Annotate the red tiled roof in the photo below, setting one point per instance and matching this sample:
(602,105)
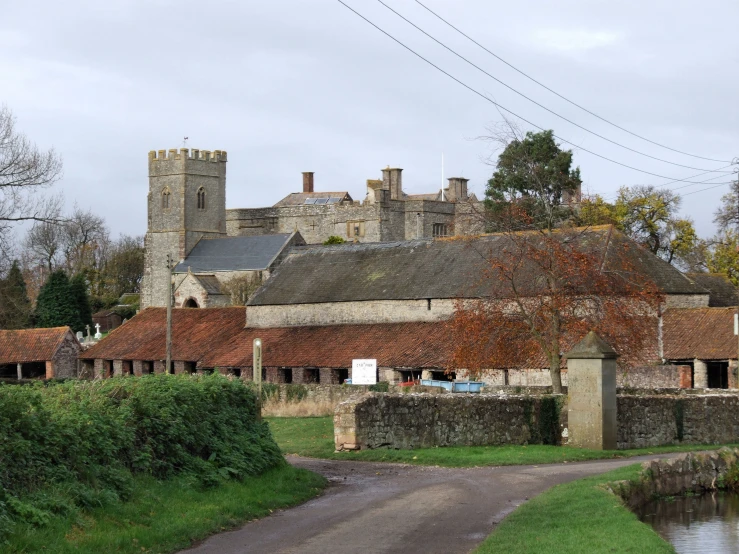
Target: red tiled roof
(194,332)
(216,337)
(702,333)
(30,345)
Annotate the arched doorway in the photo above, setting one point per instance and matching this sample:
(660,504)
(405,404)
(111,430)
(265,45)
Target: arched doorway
(190,303)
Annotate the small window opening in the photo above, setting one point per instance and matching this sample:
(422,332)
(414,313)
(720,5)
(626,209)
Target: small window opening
(428,305)
(165,199)
(201,198)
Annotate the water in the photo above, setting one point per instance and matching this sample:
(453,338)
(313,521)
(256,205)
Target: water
(705,524)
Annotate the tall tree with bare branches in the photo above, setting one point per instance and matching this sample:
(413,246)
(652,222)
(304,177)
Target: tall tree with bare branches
(24,172)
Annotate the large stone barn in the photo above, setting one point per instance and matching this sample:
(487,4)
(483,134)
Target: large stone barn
(38,353)
(326,305)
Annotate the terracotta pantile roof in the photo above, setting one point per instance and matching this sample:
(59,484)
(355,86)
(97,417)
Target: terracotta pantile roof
(216,337)
(30,345)
(194,332)
(723,293)
(416,345)
(703,333)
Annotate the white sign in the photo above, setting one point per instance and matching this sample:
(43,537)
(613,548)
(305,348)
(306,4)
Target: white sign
(364,372)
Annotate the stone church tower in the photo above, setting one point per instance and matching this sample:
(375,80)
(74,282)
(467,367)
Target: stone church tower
(186,202)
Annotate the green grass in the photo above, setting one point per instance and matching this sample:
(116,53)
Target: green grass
(165,516)
(314,437)
(577,517)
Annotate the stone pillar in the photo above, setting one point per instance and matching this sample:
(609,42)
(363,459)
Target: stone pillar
(247,373)
(591,367)
(732,374)
(179,367)
(328,376)
(274,375)
(19,369)
(158,366)
(700,374)
(138,368)
(99,369)
(117,368)
(427,374)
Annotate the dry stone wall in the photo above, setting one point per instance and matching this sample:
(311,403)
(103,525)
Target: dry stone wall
(645,421)
(423,420)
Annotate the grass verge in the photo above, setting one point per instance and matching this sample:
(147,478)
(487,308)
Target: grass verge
(577,517)
(314,438)
(165,516)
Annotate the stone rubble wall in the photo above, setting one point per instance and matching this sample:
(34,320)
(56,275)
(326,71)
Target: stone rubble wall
(694,472)
(645,421)
(416,420)
(422,420)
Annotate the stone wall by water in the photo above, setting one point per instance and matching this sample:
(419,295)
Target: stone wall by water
(694,472)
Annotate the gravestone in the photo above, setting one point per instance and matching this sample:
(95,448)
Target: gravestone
(98,334)
(591,391)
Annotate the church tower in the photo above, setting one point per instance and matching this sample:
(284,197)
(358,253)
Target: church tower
(186,202)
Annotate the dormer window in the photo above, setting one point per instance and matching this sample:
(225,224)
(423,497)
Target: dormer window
(165,199)
(201,198)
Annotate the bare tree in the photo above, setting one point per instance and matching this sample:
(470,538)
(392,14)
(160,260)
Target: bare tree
(24,171)
(86,241)
(44,241)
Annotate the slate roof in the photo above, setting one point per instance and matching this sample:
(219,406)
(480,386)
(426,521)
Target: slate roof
(234,254)
(441,268)
(30,345)
(298,198)
(723,293)
(703,333)
(216,337)
(209,283)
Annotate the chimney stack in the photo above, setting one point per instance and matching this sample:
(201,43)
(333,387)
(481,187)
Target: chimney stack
(307,181)
(457,190)
(392,180)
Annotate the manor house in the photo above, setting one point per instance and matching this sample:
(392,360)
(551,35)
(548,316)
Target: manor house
(188,220)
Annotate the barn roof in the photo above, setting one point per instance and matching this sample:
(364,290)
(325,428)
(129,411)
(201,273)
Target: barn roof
(722,291)
(31,345)
(702,333)
(445,268)
(234,254)
(216,337)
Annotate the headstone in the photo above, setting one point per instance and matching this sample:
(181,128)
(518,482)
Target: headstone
(591,391)
(98,334)
(79,336)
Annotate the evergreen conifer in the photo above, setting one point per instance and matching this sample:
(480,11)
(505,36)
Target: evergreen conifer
(56,305)
(15,307)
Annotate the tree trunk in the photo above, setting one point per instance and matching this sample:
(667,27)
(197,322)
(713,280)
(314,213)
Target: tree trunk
(554,371)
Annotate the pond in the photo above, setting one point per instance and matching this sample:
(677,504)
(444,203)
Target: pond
(692,524)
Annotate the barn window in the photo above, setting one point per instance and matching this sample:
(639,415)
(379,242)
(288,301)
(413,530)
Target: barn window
(201,198)
(165,199)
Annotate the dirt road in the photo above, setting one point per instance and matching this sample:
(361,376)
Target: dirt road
(393,508)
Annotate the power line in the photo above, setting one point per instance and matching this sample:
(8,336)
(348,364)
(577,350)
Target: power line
(499,106)
(561,96)
(539,104)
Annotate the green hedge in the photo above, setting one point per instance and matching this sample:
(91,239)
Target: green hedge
(78,443)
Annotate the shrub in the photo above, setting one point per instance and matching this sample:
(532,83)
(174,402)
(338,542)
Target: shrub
(91,436)
(333,239)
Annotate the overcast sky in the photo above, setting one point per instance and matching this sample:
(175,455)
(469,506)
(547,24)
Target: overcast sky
(287,86)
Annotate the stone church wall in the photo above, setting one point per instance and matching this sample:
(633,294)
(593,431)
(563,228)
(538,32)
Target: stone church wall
(64,362)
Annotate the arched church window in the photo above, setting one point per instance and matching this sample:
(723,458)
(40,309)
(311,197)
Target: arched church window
(201,198)
(165,199)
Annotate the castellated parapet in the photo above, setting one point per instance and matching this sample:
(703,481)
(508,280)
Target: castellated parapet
(186,202)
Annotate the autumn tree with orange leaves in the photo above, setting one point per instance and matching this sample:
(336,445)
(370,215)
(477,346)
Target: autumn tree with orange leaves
(549,283)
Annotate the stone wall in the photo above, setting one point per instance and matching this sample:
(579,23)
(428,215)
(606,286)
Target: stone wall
(64,363)
(645,421)
(332,313)
(686,301)
(423,420)
(691,473)
(656,376)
